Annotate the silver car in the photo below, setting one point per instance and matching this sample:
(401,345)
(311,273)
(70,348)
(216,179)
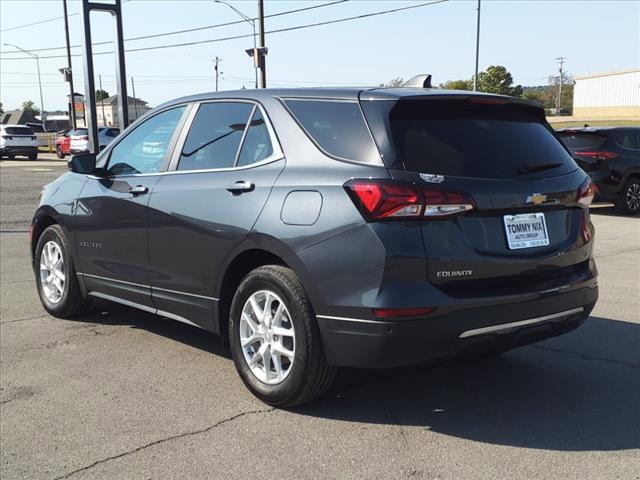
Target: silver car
(80,138)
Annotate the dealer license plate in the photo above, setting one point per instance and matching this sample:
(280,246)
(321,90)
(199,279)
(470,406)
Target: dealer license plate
(526,230)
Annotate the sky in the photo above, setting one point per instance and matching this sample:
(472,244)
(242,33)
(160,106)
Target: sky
(525,36)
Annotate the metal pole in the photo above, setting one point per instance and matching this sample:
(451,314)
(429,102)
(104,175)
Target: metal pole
(121,75)
(263,59)
(475,76)
(135,99)
(43,117)
(104,119)
(89,81)
(255,66)
(72,98)
(559,101)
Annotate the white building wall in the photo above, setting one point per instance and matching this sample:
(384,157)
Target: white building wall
(608,90)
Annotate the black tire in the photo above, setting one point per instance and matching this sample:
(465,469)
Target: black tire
(310,375)
(33,156)
(72,303)
(629,202)
(59,152)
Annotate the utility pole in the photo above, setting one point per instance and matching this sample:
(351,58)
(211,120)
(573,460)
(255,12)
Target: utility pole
(104,120)
(261,49)
(561,61)
(216,68)
(72,98)
(475,77)
(135,99)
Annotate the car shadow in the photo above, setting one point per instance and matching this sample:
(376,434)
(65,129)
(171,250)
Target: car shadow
(577,392)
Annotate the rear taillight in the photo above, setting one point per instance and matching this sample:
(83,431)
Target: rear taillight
(586,193)
(599,155)
(390,200)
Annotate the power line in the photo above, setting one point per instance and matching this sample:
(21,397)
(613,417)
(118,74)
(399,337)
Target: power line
(44,21)
(235,37)
(188,30)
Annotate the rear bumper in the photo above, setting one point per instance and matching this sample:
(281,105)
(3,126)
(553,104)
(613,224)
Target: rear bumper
(370,343)
(18,150)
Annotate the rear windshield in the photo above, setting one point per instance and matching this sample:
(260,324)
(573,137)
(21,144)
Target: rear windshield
(80,132)
(18,131)
(458,138)
(581,141)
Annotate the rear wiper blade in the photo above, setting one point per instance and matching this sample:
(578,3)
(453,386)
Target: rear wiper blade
(526,168)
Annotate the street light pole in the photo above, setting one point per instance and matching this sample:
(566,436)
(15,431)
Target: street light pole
(475,77)
(263,50)
(249,20)
(33,55)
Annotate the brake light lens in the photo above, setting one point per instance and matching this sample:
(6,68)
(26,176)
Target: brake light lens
(586,193)
(388,200)
(585,229)
(402,312)
(600,155)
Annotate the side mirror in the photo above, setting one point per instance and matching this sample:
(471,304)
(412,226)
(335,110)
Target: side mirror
(84,163)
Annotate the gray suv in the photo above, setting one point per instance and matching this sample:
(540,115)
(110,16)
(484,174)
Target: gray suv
(319,228)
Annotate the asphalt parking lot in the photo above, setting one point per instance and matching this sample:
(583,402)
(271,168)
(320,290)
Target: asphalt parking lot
(121,394)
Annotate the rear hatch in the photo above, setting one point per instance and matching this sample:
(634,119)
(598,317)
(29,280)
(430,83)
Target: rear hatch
(510,219)
(19,137)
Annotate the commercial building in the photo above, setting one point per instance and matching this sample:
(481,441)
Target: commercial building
(607,95)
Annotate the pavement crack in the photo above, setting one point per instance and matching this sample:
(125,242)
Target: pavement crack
(167,439)
(24,319)
(587,357)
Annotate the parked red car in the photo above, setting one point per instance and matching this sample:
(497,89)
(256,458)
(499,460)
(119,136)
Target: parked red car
(63,143)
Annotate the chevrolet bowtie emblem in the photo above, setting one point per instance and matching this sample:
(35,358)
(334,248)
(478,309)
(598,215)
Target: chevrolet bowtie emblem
(536,198)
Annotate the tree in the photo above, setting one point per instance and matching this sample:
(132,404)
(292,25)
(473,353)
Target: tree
(496,79)
(396,82)
(30,108)
(101,95)
(457,85)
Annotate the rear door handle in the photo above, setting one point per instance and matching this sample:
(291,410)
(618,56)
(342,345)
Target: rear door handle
(138,190)
(240,187)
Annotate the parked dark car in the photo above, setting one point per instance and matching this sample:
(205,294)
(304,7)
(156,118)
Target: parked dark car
(611,157)
(319,228)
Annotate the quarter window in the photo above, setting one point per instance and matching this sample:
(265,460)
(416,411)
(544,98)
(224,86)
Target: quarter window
(337,127)
(215,136)
(257,143)
(143,150)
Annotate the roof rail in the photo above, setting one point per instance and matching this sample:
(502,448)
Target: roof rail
(419,81)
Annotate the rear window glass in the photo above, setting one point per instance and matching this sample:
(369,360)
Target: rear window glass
(18,131)
(336,127)
(215,136)
(458,138)
(578,141)
(80,132)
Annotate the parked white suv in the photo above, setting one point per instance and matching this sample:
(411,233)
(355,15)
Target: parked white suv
(18,140)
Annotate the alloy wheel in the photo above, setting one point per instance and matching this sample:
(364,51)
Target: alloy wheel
(633,197)
(52,276)
(267,337)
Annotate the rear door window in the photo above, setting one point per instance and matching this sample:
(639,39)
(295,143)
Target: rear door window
(464,139)
(337,127)
(215,136)
(257,142)
(626,139)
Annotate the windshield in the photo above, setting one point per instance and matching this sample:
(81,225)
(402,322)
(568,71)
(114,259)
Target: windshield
(458,138)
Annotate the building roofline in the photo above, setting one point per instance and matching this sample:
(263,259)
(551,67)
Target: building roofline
(606,74)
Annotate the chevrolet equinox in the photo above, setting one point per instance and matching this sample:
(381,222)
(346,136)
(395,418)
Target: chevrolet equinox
(319,228)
